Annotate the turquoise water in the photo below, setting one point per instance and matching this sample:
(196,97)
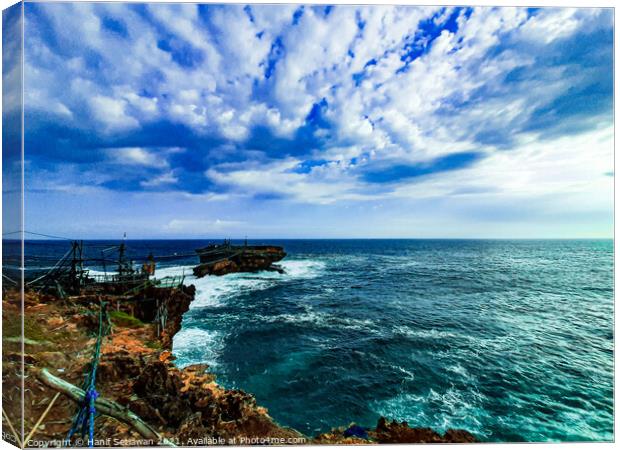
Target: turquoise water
(511,340)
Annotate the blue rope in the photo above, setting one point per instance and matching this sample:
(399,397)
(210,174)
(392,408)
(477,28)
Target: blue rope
(84,420)
(92,396)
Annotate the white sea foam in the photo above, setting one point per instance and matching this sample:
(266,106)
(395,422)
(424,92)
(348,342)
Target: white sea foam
(320,320)
(432,333)
(302,268)
(452,408)
(195,345)
(174,271)
(192,345)
(100,272)
(460,370)
(215,291)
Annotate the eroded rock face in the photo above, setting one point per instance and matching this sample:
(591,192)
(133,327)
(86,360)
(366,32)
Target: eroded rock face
(160,385)
(175,301)
(393,432)
(177,306)
(190,401)
(242,259)
(401,433)
(118,366)
(193,429)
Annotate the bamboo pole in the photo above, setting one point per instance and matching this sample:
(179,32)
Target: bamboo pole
(104,406)
(36,425)
(6,417)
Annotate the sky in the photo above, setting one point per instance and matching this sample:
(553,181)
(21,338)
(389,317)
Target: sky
(267,121)
(11,121)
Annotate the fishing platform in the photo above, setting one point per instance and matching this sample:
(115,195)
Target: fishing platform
(125,276)
(222,259)
(120,275)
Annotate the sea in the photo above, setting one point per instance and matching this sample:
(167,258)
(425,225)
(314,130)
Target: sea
(511,340)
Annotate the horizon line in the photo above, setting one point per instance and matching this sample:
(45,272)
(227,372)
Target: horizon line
(57,238)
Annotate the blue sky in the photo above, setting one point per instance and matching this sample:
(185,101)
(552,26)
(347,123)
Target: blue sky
(11,119)
(291,121)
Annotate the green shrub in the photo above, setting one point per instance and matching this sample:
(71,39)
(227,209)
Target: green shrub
(122,319)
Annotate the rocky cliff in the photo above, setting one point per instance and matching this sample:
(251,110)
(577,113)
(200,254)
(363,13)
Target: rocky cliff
(137,370)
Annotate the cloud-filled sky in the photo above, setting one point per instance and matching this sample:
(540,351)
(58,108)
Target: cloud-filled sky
(182,120)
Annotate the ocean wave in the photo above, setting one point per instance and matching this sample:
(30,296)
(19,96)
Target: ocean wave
(441,410)
(100,272)
(175,271)
(459,370)
(305,268)
(432,333)
(214,290)
(319,320)
(195,345)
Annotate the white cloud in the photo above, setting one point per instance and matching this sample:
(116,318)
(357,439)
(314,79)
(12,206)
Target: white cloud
(570,167)
(137,156)
(217,96)
(323,185)
(166,178)
(551,24)
(111,113)
(380,108)
(202,227)
(12,58)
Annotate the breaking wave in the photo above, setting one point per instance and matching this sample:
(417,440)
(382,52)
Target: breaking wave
(215,291)
(421,331)
(195,344)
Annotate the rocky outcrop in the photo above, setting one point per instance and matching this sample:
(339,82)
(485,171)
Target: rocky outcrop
(400,433)
(158,388)
(137,370)
(170,304)
(222,260)
(228,266)
(393,432)
(190,401)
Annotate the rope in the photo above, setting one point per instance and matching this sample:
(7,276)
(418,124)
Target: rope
(84,419)
(161,317)
(138,288)
(10,279)
(48,235)
(58,264)
(174,256)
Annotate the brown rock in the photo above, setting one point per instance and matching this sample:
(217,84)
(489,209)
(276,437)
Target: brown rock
(160,385)
(459,436)
(165,356)
(144,410)
(401,433)
(156,379)
(193,428)
(119,366)
(233,404)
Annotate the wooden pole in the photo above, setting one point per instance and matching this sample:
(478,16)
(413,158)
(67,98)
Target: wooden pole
(12,429)
(36,425)
(104,406)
